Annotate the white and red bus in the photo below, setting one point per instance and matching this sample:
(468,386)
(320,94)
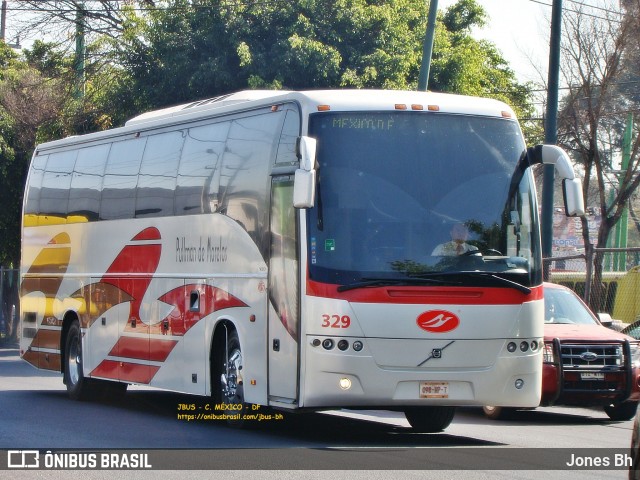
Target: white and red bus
(293,250)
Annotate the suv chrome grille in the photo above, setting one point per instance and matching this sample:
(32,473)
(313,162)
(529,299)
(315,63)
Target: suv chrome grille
(599,356)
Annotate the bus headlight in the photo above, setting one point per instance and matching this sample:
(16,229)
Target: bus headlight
(345,383)
(327,344)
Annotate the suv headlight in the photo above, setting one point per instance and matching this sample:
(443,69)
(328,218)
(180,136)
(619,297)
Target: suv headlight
(635,354)
(548,354)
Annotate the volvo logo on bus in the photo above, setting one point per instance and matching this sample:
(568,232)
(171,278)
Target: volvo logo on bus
(438,321)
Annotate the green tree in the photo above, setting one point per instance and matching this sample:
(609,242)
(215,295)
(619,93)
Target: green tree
(183,50)
(36,105)
(11,178)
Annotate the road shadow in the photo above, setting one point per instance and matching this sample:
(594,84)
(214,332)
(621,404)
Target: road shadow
(306,428)
(546,417)
(9,351)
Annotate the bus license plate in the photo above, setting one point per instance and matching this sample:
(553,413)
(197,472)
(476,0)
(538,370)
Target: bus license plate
(592,376)
(434,390)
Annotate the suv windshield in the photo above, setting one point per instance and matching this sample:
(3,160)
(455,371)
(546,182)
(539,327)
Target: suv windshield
(563,306)
(408,196)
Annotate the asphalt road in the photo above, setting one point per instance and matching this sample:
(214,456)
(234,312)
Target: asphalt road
(37,415)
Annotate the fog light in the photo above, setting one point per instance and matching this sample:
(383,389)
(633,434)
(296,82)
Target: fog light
(345,383)
(343,345)
(316,342)
(524,346)
(519,384)
(327,343)
(357,345)
(534,345)
(511,347)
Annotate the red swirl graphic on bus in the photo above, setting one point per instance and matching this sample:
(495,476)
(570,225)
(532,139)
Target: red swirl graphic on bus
(438,321)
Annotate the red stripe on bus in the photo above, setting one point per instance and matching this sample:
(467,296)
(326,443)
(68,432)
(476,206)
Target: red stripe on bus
(125,371)
(143,348)
(210,299)
(151,233)
(426,295)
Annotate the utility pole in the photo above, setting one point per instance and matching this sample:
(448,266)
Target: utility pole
(3,21)
(621,231)
(551,132)
(427,46)
(3,27)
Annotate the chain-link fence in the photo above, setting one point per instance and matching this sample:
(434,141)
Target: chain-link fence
(617,293)
(9,306)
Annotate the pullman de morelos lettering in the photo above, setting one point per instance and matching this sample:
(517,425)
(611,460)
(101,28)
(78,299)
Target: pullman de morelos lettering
(209,251)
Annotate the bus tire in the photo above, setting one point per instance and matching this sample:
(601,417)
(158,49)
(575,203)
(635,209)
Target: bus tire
(229,380)
(78,387)
(430,419)
(621,411)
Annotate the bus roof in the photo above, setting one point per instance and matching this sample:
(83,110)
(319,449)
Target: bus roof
(331,100)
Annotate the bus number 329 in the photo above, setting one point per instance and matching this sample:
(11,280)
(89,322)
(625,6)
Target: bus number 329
(335,321)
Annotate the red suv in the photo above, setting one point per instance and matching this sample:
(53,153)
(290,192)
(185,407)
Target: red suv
(585,363)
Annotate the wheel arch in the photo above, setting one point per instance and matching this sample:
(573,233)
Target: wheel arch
(221,330)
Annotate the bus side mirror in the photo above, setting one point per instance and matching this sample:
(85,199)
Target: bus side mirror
(304,183)
(573,200)
(571,187)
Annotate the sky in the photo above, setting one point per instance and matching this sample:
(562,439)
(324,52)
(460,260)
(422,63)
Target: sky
(521,31)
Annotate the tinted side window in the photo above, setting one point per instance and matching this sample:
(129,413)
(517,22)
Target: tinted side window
(121,178)
(199,171)
(244,178)
(287,147)
(54,196)
(32,194)
(157,180)
(86,183)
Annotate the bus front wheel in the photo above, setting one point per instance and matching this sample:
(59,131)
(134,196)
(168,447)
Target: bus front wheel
(230,380)
(430,419)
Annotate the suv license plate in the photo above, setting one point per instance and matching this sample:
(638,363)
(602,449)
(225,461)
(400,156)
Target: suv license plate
(434,390)
(592,376)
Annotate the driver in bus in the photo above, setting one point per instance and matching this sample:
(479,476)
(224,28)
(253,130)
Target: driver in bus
(457,245)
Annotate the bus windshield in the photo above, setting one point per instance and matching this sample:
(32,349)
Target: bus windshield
(421,198)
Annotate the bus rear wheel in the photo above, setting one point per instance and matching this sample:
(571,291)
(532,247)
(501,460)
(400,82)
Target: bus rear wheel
(78,387)
(430,419)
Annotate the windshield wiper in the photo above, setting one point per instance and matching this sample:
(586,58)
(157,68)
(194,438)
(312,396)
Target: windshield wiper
(503,281)
(383,282)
